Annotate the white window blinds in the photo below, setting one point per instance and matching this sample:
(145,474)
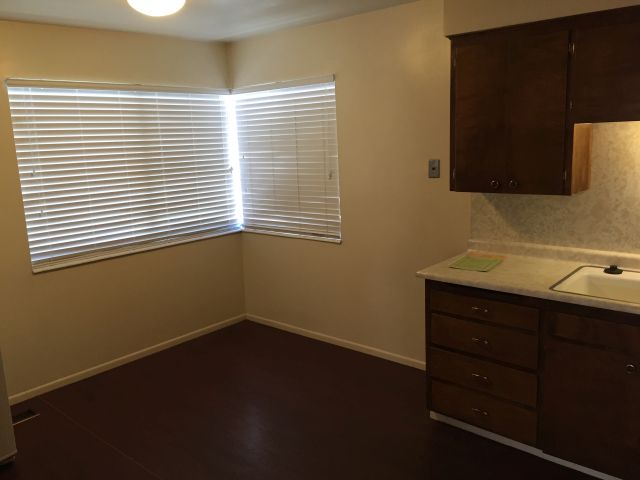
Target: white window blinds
(106,172)
(289,160)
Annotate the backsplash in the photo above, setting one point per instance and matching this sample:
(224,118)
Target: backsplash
(605,217)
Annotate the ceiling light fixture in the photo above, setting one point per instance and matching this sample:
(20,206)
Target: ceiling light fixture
(156,8)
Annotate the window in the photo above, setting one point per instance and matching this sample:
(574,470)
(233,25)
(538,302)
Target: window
(107,172)
(289,160)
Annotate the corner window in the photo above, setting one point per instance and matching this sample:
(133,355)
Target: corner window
(108,172)
(288,153)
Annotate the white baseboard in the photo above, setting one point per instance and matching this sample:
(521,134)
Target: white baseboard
(116,362)
(376,352)
(520,446)
(89,372)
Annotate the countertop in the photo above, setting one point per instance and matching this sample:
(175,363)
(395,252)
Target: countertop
(523,275)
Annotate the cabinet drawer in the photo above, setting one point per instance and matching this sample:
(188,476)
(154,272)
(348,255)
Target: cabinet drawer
(598,333)
(485,412)
(498,343)
(504,382)
(508,314)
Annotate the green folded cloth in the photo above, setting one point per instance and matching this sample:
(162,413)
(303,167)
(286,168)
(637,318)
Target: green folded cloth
(477,262)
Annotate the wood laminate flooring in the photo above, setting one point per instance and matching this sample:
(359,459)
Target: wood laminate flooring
(252,402)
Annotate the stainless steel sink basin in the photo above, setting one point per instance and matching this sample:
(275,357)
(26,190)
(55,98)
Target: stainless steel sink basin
(594,282)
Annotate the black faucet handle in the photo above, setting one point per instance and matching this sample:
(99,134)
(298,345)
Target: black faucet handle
(613,270)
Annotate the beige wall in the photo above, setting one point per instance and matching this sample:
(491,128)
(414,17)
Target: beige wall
(58,323)
(605,217)
(392,69)
(462,16)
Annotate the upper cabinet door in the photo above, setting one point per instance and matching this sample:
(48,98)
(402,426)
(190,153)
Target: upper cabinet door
(479,91)
(606,73)
(590,412)
(536,118)
(509,130)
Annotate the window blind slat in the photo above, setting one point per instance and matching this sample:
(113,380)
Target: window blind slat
(62,202)
(102,170)
(110,179)
(119,240)
(66,223)
(89,209)
(289,160)
(133,160)
(133,224)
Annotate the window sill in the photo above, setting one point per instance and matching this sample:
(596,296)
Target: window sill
(72,261)
(303,236)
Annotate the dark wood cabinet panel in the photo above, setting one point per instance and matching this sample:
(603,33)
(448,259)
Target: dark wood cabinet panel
(523,99)
(479,308)
(488,377)
(479,91)
(590,412)
(510,131)
(621,338)
(536,118)
(578,398)
(485,412)
(478,344)
(606,73)
(501,344)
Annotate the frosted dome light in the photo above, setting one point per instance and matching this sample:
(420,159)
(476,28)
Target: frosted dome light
(156,8)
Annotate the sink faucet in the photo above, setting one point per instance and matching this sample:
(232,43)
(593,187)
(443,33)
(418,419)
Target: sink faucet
(613,270)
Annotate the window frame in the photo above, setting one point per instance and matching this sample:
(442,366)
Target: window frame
(304,82)
(232,160)
(103,253)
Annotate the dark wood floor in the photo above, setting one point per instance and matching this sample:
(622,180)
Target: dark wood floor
(250,402)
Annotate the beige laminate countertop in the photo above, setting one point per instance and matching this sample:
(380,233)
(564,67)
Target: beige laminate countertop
(523,275)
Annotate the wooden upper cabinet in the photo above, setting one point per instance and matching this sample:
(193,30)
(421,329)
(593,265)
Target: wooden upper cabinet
(606,72)
(523,99)
(536,114)
(479,123)
(510,125)
(509,112)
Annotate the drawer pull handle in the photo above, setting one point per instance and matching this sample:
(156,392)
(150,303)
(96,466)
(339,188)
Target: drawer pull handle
(481,378)
(482,342)
(484,311)
(631,369)
(478,411)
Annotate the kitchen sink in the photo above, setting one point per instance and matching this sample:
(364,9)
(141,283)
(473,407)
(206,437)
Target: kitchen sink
(590,281)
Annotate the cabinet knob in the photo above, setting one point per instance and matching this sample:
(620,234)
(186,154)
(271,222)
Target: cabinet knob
(481,378)
(631,369)
(484,311)
(483,342)
(495,184)
(480,412)
(513,184)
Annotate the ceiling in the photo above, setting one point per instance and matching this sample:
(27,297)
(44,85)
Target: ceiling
(199,19)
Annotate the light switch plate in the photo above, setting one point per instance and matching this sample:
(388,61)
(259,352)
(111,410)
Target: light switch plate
(434,168)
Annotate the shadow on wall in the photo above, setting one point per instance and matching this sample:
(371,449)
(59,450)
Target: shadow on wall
(605,217)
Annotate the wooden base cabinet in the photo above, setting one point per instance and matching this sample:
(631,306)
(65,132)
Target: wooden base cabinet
(591,407)
(559,377)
